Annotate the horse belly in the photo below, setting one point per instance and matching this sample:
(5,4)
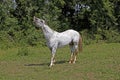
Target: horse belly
(63,42)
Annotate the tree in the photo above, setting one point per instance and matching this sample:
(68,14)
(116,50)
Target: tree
(117,11)
(95,19)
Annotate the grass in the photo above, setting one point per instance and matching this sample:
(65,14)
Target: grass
(96,62)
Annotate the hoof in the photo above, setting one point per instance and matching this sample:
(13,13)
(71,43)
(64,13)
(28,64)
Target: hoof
(51,65)
(71,61)
(74,62)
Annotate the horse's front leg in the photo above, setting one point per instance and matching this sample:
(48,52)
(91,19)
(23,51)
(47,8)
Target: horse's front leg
(52,60)
(53,51)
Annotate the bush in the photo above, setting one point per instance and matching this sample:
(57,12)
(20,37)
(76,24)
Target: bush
(87,37)
(5,40)
(34,37)
(111,36)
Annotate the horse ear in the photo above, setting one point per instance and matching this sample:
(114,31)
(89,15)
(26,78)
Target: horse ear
(34,18)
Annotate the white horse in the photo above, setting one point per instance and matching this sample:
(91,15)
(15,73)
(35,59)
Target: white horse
(56,39)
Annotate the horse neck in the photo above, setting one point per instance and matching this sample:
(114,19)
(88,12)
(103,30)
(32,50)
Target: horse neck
(48,32)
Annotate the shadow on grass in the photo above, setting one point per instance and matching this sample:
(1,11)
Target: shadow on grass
(43,64)
(35,64)
(60,62)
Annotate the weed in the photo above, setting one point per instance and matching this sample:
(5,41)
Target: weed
(23,51)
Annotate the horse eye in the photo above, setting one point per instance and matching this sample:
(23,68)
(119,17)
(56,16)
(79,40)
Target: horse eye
(41,21)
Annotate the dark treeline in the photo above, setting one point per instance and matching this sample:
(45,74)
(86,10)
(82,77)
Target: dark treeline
(96,20)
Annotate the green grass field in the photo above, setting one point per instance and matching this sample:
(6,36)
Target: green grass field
(96,62)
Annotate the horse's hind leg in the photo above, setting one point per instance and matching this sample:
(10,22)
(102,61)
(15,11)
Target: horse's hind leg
(75,52)
(72,57)
(75,55)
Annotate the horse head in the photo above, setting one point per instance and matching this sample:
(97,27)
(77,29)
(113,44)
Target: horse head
(38,22)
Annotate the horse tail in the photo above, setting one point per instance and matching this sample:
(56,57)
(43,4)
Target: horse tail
(80,44)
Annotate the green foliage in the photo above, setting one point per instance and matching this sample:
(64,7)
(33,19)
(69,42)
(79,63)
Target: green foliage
(96,19)
(87,37)
(111,36)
